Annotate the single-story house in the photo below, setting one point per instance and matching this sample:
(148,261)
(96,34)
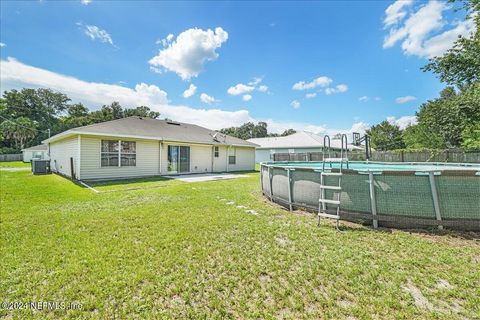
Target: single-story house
(39,152)
(299,142)
(138,146)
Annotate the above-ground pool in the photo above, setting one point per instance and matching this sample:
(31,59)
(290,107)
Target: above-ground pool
(386,194)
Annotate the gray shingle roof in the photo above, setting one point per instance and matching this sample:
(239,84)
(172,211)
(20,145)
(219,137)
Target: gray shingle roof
(157,129)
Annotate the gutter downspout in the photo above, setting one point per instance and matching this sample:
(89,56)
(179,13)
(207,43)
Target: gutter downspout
(228,152)
(160,145)
(79,160)
(213,156)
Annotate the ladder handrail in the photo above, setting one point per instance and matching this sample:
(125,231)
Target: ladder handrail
(344,138)
(323,150)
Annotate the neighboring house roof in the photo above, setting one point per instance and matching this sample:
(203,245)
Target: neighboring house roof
(301,139)
(40,147)
(148,128)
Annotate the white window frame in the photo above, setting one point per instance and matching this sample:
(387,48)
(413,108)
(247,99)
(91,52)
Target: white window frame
(119,153)
(232,153)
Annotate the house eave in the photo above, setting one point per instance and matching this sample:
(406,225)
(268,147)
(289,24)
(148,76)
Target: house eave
(69,133)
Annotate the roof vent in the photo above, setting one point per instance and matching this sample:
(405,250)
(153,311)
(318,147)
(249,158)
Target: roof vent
(217,136)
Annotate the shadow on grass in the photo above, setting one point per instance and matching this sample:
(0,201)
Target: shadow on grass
(124,182)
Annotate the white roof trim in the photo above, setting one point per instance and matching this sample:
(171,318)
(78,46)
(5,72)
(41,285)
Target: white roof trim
(73,132)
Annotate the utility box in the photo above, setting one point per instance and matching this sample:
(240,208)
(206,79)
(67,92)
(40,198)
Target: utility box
(40,166)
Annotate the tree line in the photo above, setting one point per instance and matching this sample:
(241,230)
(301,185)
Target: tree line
(29,116)
(251,130)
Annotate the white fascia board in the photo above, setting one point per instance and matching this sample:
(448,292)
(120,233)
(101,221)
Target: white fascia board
(102,134)
(59,136)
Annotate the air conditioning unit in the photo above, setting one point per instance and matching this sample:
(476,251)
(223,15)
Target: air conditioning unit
(40,166)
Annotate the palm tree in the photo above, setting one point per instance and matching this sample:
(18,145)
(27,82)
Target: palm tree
(21,130)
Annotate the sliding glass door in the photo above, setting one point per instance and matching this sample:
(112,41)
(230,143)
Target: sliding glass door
(184,160)
(178,159)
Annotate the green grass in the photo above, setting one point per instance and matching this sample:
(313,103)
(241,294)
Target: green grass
(174,250)
(15,164)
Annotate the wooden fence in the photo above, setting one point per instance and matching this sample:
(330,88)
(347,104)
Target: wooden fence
(451,155)
(11,157)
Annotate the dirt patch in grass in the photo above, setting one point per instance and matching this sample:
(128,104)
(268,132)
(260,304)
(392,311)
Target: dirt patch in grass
(418,297)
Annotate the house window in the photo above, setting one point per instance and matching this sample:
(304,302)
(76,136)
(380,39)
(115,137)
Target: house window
(232,159)
(128,154)
(216,152)
(115,150)
(291,150)
(110,153)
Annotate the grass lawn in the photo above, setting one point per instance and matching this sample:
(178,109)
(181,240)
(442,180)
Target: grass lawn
(183,250)
(15,164)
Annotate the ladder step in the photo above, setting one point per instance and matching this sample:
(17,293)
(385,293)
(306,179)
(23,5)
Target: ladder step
(337,202)
(336,174)
(331,188)
(327,215)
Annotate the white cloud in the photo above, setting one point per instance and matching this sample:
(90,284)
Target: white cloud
(311,95)
(437,45)
(359,127)
(364,98)
(247,97)
(295,104)
(322,81)
(262,88)
(206,98)
(377,98)
(279,127)
(416,32)
(190,91)
(17,75)
(403,122)
(255,81)
(95,33)
(240,89)
(243,89)
(338,89)
(86,2)
(2,45)
(395,12)
(405,99)
(187,54)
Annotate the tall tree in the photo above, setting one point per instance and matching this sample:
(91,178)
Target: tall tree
(141,111)
(247,130)
(386,136)
(41,106)
(421,137)
(20,131)
(288,132)
(448,115)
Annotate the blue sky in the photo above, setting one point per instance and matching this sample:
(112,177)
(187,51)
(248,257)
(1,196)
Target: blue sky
(319,66)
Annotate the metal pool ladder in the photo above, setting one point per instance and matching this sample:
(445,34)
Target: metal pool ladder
(323,201)
(336,189)
(343,153)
